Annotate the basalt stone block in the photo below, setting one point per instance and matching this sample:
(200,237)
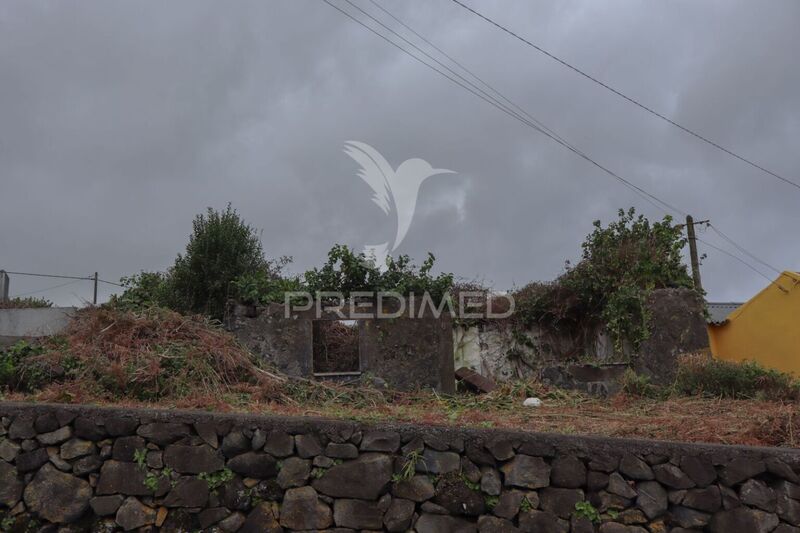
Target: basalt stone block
(536,521)
(163,433)
(672,476)
(118,477)
(568,472)
(688,518)
(779,468)
(86,465)
(492,524)
(560,502)
(193,459)
(341,450)
(596,481)
(399,515)
(235,443)
(635,468)
(132,514)
(699,469)
(490,481)
(477,454)
(417,488)
(756,493)
(380,441)
(209,517)
(436,462)
(357,514)
(74,448)
(454,495)
(262,519)
(259,439)
(527,472)
(8,450)
(208,432)
(604,463)
(46,423)
(255,465)
(508,504)
(234,495)
(742,519)
(364,478)
(308,445)
(55,437)
(501,449)
(294,472)
(106,505)
(434,523)
(10,485)
(86,428)
(188,492)
(740,470)
(279,444)
(120,426)
(32,460)
(652,499)
(21,428)
(57,497)
(302,509)
(707,499)
(125,448)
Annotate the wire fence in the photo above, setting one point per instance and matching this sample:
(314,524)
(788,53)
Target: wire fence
(5,283)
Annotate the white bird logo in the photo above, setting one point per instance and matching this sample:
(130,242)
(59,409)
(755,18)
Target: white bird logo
(394,190)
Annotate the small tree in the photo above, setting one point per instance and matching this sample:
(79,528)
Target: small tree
(222,248)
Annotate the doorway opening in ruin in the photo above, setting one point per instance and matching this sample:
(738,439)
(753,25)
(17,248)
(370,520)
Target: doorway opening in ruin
(336,347)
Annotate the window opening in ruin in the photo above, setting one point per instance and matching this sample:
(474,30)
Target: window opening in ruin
(336,347)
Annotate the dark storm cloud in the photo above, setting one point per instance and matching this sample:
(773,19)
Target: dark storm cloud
(120,121)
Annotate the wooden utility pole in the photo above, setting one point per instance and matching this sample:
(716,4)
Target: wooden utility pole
(4,282)
(94,300)
(693,253)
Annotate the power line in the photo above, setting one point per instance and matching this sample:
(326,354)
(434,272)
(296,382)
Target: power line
(628,98)
(58,276)
(478,92)
(748,265)
(741,249)
(48,288)
(46,275)
(529,121)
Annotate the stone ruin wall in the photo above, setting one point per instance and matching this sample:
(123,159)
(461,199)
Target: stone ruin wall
(677,326)
(79,468)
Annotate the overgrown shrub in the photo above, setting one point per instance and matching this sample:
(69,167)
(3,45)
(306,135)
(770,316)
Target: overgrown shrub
(111,354)
(221,249)
(620,265)
(346,272)
(25,303)
(726,379)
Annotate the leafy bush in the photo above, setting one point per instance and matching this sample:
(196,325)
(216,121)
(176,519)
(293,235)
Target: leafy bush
(637,385)
(10,362)
(347,272)
(221,249)
(745,380)
(619,266)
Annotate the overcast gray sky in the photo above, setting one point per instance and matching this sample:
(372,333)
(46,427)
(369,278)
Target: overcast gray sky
(119,121)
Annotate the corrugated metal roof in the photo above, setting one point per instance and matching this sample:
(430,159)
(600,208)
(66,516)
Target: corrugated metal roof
(718,311)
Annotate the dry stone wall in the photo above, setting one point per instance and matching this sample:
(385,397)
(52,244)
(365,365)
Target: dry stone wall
(77,468)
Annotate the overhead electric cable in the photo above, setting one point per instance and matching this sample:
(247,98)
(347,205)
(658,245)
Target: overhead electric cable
(477,92)
(520,114)
(628,98)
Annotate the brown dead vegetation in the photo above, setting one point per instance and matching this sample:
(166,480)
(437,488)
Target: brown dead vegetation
(162,359)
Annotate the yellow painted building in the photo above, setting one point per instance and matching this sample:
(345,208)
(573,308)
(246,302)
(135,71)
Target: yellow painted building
(766,329)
